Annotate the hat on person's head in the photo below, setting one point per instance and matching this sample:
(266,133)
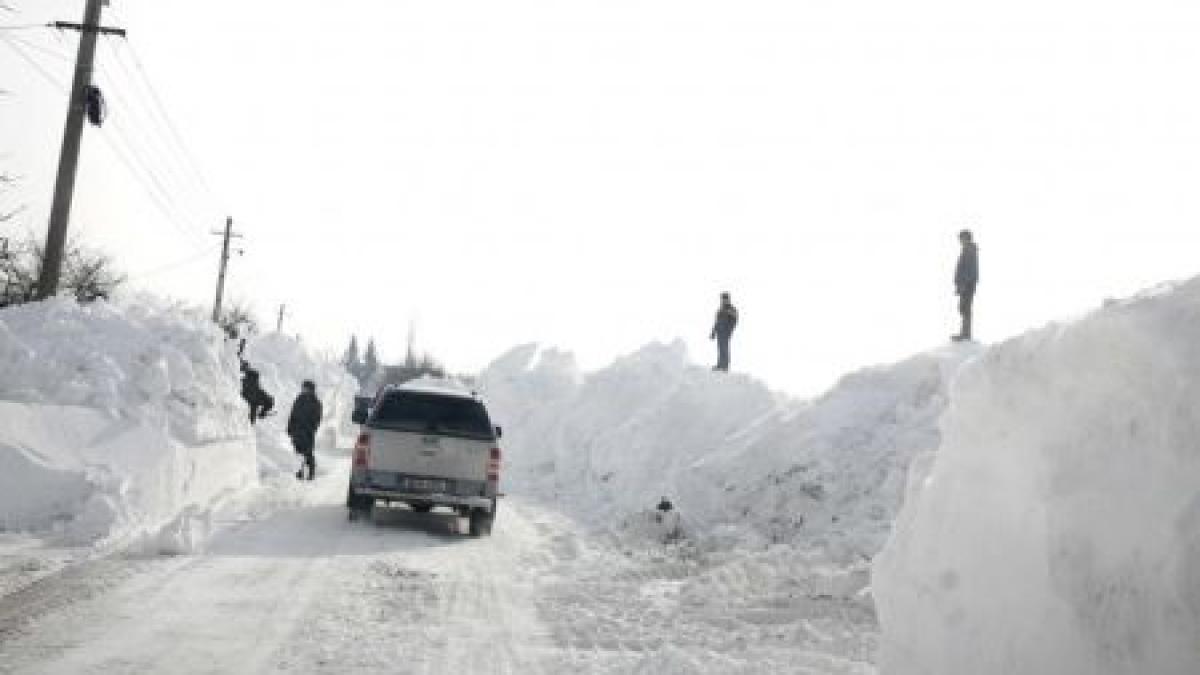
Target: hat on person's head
(725,295)
(964,234)
(308,385)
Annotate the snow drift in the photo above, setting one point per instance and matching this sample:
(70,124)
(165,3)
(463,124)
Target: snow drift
(736,459)
(1057,529)
(115,419)
(122,423)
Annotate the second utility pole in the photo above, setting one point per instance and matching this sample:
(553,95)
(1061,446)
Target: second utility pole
(228,234)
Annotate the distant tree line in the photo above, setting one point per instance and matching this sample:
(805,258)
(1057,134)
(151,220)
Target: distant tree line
(372,374)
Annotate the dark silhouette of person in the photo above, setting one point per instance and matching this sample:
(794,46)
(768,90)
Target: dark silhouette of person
(260,401)
(722,330)
(966,276)
(302,426)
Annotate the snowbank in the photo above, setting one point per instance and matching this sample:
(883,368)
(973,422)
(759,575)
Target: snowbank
(738,461)
(1057,530)
(283,363)
(116,420)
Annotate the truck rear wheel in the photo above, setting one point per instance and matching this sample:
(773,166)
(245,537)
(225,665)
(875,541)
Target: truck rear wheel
(359,505)
(481,521)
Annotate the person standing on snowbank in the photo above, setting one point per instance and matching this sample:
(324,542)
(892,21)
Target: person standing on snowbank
(722,330)
(966,276)
(302,426)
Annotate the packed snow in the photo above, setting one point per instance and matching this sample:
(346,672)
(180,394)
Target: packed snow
(115,420)
(743,465)
(122,427)
(1029,508)
(1056,531)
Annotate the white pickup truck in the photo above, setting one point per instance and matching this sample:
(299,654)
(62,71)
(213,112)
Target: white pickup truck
(426,444)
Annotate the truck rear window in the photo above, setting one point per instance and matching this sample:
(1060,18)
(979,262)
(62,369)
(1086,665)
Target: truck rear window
(412,411)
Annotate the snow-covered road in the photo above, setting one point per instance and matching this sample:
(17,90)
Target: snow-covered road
(297,588)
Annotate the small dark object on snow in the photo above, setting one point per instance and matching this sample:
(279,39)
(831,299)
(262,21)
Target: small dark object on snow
(93,103)
(665,505)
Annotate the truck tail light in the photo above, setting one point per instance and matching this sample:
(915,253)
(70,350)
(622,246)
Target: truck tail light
(362,450)
(493,465)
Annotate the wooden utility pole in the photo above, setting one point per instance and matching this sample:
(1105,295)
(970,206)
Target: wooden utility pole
(68,160)
(227,234)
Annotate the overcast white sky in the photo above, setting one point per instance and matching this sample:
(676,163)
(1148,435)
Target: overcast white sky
(592,174)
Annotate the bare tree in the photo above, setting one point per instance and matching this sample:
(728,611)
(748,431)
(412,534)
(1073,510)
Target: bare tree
(87,274)
(238,320)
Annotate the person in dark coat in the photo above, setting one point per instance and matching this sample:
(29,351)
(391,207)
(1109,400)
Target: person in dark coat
(722,330)
(260,401)
(966,276)
(302,426)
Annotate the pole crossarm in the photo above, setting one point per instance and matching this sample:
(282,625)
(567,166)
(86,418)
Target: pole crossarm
(103,30)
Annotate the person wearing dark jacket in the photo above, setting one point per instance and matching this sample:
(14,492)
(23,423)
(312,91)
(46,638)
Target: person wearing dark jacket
(966,276)
(302,426)
(260,401)
(722,330)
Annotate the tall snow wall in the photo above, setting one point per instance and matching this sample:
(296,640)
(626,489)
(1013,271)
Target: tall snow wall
(1057,529)
(737,460)
(115,419)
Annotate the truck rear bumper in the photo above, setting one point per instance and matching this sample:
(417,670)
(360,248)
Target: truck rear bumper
(434,498)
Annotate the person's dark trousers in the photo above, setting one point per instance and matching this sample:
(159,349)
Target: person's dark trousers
(966,298)
(304,446)
(722,352)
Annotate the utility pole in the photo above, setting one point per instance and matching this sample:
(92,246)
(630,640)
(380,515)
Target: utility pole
(68,160)
(279,322)
(227,234)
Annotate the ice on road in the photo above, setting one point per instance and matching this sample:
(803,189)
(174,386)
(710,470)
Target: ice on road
(294,587)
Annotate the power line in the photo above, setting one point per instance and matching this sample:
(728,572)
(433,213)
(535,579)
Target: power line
(182,145)
(127,153)
(152,130)
(151,184)
(34,64)
(145,177)
(195,257)
(39,48)
(26,26)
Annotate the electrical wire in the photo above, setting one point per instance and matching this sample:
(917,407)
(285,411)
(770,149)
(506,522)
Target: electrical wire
(191,259)
(134,164)
(34,64)
(152,133)
(41,49)
(173,129)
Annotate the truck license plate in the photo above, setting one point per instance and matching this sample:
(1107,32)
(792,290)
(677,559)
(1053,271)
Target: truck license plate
(425,485)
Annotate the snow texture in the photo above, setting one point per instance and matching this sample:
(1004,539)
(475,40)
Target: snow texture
(1057,529)
(122,424)
(738,461)
(117,421)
